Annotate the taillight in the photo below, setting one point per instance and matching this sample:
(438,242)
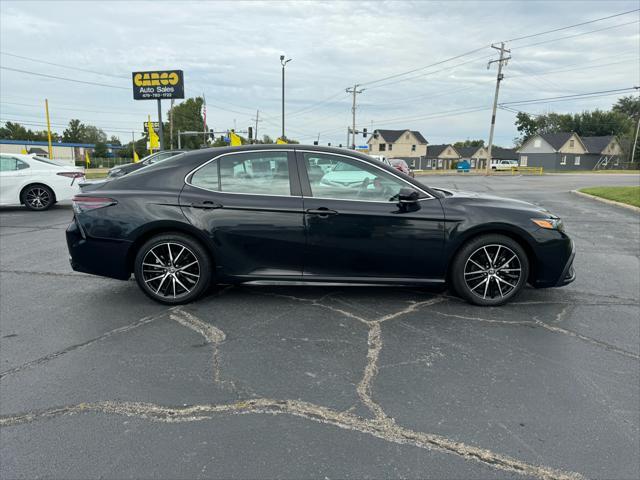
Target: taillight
(83,204)
(71,174)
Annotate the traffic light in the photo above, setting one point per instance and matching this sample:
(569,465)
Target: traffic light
(250,133)
(315,142)
(328,144)
(364,133)
(211,135)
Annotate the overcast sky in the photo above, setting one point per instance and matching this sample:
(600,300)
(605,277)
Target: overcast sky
(230,51)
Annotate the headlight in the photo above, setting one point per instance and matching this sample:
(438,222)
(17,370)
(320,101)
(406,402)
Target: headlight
(549,223)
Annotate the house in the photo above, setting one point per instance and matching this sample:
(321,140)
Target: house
(569,151)
(440,157)
(65,152)
(397,144)
(477,156)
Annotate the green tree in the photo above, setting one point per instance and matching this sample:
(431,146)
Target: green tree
(94,135)
(629,106)
(100,151)
(187,116)
(74,133)
(114,140)
(469,143)
(15,131)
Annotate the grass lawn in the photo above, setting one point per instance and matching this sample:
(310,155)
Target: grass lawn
(93,174)
(628,195)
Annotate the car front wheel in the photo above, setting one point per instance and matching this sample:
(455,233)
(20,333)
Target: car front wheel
(490,270)
(173,269)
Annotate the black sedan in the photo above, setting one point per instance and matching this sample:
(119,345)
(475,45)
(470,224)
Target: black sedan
(309,214)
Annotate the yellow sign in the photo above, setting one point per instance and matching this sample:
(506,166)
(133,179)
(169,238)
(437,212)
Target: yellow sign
(280,141)
(136,158)
(154,79)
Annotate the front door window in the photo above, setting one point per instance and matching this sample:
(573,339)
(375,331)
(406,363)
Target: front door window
(342,178)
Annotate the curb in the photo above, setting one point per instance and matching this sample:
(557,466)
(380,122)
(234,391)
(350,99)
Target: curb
(605,200)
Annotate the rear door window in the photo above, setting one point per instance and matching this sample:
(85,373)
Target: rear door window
(254,173)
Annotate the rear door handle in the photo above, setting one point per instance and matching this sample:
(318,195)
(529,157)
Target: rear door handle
(322,211)
(206,205)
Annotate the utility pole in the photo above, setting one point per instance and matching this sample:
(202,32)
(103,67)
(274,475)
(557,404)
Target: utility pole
(355,91)
(46,108)
(501,61)
(257,119)
(161,134)
(635,141)
(171,125)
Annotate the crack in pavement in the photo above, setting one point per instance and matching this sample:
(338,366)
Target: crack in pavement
(54,274)
(110,333)
(379,428)
(212,335)
(536,322)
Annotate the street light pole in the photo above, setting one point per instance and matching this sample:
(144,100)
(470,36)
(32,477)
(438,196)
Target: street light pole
(283,62)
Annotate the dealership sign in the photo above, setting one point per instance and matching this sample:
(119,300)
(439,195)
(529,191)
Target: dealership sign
(158,85)
(155,125)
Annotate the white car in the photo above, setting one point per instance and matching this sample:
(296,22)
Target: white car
(504,164)
(36,182)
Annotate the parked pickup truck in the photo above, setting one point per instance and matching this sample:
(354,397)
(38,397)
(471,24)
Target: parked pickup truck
(504,164)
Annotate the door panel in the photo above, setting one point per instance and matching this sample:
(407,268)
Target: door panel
(12,176)
(364,231)
(253,234)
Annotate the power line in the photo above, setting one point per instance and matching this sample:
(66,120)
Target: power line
(575,35)
(426,66)
(63,78)
(64,66)
(571,26)
(563,97)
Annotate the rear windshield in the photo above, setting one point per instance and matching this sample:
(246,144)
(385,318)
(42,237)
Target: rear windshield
(50,162)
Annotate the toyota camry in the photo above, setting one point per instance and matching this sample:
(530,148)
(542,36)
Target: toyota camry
(292,213)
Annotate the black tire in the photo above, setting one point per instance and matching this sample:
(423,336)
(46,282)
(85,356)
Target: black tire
(37,197)
(490,270)
(165,271)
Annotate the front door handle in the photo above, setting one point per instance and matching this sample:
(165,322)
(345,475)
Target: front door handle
(322,211)
(206,205)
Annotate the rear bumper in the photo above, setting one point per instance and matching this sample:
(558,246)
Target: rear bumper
(107,258)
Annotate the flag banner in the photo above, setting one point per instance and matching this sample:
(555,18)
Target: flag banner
(136,158)
(280,141)
(236,141)
(87,160)
(154,140)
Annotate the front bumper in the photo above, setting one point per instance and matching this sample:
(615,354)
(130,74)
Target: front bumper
(568,273)
(107,258)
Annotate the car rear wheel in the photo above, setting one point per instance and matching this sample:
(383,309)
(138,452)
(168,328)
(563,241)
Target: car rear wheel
(173,269)
(37,197)
(490,270)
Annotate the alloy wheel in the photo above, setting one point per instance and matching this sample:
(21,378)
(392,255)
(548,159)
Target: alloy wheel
(492,271)
(38,198)
(170,270)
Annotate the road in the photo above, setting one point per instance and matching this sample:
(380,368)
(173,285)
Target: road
(98,381)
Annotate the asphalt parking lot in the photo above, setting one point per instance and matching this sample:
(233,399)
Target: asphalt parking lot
(97,381)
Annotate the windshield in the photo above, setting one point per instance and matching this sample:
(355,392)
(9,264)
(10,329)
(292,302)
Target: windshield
(345,167)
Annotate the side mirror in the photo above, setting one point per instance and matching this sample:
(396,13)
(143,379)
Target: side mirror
(408,195)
